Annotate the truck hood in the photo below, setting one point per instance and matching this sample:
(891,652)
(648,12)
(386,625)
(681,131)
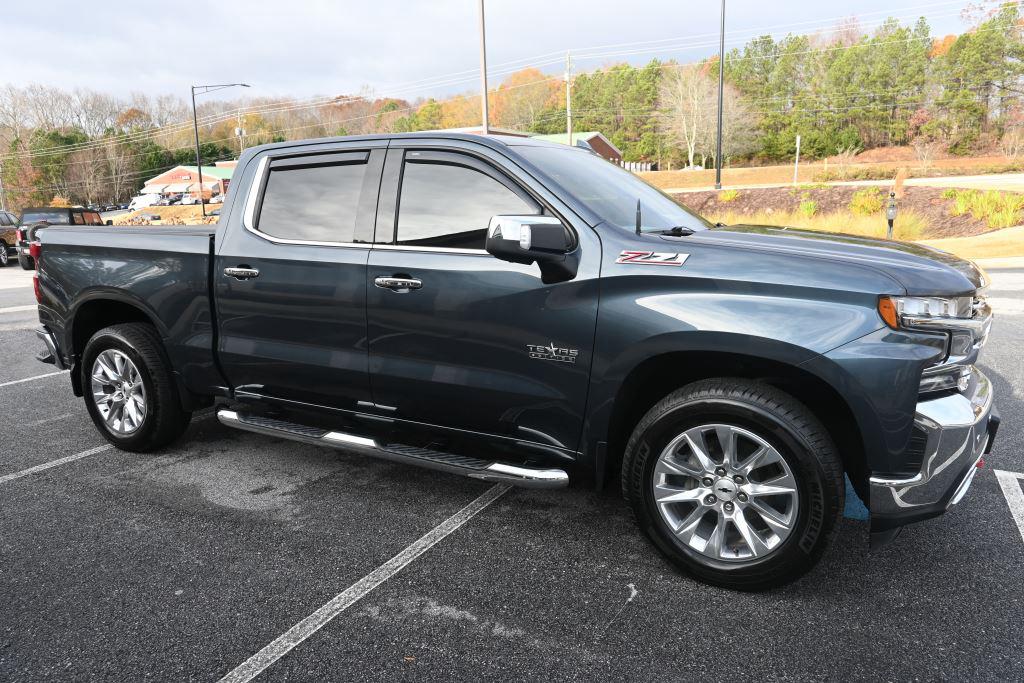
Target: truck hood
(921,270)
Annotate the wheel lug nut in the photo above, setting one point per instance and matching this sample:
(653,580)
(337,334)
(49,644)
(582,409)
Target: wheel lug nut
(710,500)
(742,497)
(707,481)
(720,471)
(728,507)
(738,479)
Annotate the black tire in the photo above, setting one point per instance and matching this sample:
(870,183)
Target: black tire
(4,256)
(786,425)
(165,420)
(26,262)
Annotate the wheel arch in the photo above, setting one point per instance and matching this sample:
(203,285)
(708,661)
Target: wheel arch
(654,377)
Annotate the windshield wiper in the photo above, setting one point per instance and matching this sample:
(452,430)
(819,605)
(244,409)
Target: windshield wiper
(678,231)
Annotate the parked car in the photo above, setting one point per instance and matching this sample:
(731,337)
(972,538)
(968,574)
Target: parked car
(142,201)
(520,311)
(217,199)
(8,237)
(34,218)
(189,199)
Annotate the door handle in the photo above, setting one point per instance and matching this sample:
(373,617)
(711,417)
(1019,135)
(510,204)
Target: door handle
(242,273)
(398,284)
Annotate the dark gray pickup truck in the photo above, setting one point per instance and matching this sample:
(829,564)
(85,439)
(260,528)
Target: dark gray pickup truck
(525,312)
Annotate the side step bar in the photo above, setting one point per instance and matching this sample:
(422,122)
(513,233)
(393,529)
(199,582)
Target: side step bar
(526,477)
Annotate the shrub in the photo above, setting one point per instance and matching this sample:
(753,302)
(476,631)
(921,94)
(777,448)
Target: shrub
(867,202)
(997,209)
(949,193)
(808,208)
(728,195)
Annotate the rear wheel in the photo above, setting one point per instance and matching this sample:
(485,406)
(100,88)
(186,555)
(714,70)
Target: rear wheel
(4,258)
(736,482)
(129,390)
(26,262)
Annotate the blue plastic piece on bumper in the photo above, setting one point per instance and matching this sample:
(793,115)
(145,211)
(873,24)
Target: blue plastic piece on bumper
(855,508)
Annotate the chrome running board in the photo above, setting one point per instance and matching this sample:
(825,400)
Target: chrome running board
(516,475)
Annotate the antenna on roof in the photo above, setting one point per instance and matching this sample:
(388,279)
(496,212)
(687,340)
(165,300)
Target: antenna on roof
(638,216)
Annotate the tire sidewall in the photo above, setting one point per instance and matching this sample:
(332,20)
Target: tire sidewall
(110,339)
(803,542)
(5,258)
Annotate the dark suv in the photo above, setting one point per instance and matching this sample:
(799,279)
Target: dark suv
(34,218)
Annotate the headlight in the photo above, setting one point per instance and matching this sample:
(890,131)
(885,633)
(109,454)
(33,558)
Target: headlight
(965,320)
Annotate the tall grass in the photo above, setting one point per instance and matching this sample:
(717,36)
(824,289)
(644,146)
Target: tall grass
(909,226)
(997,209)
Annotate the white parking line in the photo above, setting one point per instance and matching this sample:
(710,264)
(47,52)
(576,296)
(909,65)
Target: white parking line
(1010,483)
(16,309)
(252,667)
(53,463)
(30,379)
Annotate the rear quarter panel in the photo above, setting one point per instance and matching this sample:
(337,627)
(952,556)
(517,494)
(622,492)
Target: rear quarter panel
(163,272)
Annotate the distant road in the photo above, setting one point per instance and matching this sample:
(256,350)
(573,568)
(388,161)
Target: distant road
(1011,182)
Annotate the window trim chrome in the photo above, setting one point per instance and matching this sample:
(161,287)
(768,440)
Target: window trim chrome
(249,215)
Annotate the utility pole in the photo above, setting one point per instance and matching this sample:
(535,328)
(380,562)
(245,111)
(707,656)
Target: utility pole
(568,96)
(721,85)
(483,69)
(3,195)
(240,132)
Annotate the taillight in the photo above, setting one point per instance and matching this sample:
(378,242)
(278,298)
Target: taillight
(36,288)
(21,235)
(35,250)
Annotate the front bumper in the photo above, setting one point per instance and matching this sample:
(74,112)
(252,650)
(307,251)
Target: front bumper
(958,430)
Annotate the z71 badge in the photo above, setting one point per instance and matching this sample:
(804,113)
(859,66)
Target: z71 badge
(652,258)
(552,352)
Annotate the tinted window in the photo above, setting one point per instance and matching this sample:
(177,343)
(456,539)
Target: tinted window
(48,216)
(448,206)
(93,219)
(315,203)
(77,218)
(3,219)
(609,191)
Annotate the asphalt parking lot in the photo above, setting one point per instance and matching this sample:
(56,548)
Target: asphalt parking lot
(186,563)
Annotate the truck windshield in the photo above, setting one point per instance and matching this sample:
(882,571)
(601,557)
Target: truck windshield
(47,216)
(612,192)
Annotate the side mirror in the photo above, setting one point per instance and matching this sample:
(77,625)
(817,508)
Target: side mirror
(534,239)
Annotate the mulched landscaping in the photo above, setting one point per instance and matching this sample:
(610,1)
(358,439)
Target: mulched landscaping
(925,201)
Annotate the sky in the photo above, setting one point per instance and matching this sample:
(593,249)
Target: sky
(305,48)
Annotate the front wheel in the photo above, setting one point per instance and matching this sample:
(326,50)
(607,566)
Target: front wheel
(736,482)
(4,257)
(129,390)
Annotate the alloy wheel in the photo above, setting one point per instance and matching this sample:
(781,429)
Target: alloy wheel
(118,392)
(726,493)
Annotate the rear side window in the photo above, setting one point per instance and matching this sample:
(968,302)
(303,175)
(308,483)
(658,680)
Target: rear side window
(93,218)
(448,205)
(49,216)
(4,221)
(313,199)
(77,218)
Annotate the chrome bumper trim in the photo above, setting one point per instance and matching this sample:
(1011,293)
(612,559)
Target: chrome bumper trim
(957,431)
(524,477)
(52,354)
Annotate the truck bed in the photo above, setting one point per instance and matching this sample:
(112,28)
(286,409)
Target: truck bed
(164,270)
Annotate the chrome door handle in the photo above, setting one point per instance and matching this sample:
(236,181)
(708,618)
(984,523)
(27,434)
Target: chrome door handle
(242,273)
(398,284)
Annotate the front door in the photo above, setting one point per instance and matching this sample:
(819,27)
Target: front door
(458,338)
(291,279)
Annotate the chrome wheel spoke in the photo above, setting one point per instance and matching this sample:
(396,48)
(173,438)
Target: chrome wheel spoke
(664,494)
(688,526)
(727,439)
(776,488)
(716,541)
(775,520)
(751,538)
(674,466)
(699,448)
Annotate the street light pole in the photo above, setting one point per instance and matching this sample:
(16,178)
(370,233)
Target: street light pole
(195,129)
(721,85)
(483,69)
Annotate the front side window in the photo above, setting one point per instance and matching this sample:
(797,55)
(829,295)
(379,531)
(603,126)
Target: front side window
(448,206)
(313,201)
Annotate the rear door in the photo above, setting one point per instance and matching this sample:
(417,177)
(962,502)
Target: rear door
(290,276)
(476,344)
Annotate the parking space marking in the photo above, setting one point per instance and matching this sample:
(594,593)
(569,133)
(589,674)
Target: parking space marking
(53,463)
(290,639)
(17,309)
(30,379)
(1010,483)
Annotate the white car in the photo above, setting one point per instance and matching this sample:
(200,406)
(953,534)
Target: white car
(189,199)
(142,201)
(218,199)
